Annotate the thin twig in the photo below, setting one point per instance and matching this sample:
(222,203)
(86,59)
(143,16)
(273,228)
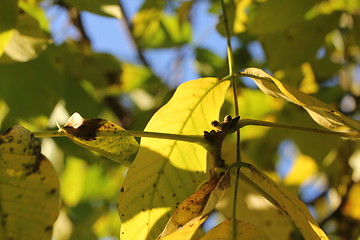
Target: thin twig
(236,106)
(198,139)
(130,29)
(251,122)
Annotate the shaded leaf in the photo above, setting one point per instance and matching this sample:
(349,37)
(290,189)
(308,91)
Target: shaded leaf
(8,15)
(200,203)
(301,40)
(286,202)
(29,188)
(244,231)
(259,22)
(165,172)
(27,41)
(155,29)
(322,113)
(101,136)
(107,8)
(207,62)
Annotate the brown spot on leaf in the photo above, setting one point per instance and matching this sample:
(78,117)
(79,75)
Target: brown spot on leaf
(48,228)
(52,191)
(86,130)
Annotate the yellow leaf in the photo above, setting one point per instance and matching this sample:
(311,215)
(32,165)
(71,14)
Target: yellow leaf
(303,168)
(322,113)
(241,16)
(244,231)
(5,38)
(187,231)
(287,203)
(165,172)
(101,136)
(72,190)
(352,208)
(29,188)
(308,84)
(200,203)
(255,209)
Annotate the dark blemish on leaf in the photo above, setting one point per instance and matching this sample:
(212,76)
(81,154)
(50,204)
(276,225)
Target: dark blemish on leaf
(19,196)
(123,233)
(179,186)
(4,217)
(52,191)
(173,195)
(42,179)
(150,194)
(87,130)
(48,228)
(142,195)
(11,150)
(162,197)
(32,168)
(143,209)
(122,189)
(154,185)
(122,215)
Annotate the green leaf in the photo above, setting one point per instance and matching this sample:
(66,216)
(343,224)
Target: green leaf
(27,42)
(322,113)
(72,190)
(8,16)
(107,8)
(165,172)
(208,63)
(29,192)
(292,14)
(298,44)
(155,29)
(244,231)
(295,210)
(101,136)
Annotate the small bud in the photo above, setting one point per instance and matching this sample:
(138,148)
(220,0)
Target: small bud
(234,121)
(227,118)
(208,136)
(215,123)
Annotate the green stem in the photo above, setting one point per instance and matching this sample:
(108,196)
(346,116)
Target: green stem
(49,134)
(251,122)
(186,138)
(236,106)
(229,49)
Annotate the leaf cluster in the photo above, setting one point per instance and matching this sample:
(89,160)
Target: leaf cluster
(182,172)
